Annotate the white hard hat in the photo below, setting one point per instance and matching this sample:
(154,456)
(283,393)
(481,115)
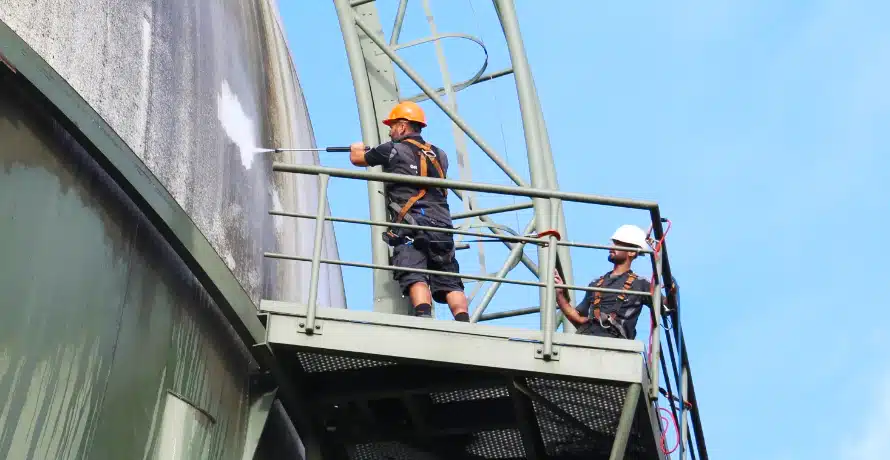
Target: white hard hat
(631,234)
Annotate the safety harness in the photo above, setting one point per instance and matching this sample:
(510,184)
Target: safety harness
(421,240)
(425,152)
(612,317)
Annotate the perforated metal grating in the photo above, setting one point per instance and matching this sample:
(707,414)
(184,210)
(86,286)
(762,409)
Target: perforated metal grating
(497,444)
(560,438)
(312,362)
(469,395)
(597,406)
(387,451)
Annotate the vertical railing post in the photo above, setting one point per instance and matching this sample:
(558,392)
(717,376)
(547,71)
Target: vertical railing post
(548,305)
(655,339)
(312,307)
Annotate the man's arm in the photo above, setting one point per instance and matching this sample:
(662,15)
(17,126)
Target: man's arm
(360,155)
(562,299)
(357,154)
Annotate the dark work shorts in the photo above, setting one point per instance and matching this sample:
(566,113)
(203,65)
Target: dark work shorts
(406,255)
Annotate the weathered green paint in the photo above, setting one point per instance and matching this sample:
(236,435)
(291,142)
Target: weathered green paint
(200,267)
(100,317)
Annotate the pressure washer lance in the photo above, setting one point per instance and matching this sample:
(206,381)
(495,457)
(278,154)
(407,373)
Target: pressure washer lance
(326,149)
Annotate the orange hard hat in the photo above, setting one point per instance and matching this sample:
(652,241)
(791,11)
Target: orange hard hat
(406,110)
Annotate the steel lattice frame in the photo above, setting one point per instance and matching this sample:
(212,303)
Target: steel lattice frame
(369,54)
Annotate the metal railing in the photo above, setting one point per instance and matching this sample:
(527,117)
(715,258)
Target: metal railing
(656,364)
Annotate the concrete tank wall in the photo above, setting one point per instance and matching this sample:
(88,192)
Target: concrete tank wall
(195,87)
(109,349)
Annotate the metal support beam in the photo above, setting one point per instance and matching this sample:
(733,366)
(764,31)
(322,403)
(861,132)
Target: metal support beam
(493,226)
(415,405)
(374,98)
(528,422)
(418,80)
(258,414)
(512,260)
(575,423)
(397,25)
(540,159)
(495,210)
(460,142)
(510,313)
(564,254)
(622,433)
(316,252)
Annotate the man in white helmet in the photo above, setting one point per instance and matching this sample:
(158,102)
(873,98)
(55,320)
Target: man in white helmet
(607,314)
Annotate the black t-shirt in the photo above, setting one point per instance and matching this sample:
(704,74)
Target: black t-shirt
(402,158)
(627,310)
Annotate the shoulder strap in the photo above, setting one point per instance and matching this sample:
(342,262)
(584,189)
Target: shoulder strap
(597,295)
(426,150)
(421,192)
(627,285)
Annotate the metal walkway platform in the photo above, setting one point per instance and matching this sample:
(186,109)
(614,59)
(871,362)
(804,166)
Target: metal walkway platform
(387,386)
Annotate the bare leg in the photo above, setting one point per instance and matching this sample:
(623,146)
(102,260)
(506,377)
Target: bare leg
(457,302)
(420,294)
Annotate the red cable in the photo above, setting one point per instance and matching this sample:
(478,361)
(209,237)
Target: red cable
(667,421)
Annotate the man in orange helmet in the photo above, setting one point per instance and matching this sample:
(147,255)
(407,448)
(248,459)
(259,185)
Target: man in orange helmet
(409,154)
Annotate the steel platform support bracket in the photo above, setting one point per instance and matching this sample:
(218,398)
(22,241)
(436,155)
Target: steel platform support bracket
(539,352)
(317,329)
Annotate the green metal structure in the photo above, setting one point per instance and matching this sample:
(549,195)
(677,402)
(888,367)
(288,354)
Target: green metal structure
(126,335)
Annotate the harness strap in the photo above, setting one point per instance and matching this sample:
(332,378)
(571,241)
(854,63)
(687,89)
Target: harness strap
(597,296)
(425,153)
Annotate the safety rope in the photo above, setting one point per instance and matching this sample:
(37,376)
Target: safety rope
(668,420)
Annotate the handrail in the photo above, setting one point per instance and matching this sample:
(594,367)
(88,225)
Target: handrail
(424,271)
(546,278)
(493,237)
(682,377)
(530,192)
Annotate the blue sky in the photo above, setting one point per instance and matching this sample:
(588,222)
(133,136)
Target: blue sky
(763,130)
